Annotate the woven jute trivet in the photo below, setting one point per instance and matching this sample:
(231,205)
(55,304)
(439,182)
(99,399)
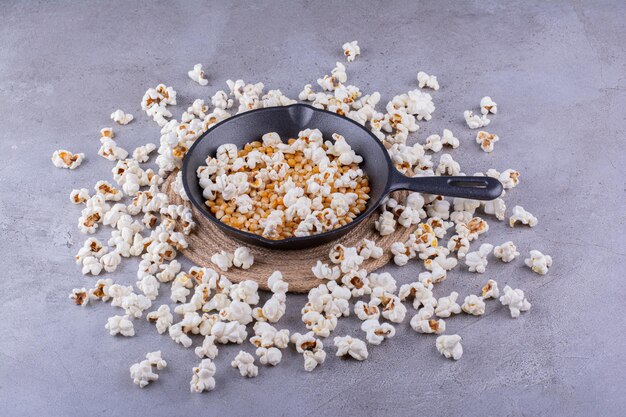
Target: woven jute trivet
(295,265)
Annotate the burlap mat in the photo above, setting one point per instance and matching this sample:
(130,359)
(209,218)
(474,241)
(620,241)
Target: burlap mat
(295,265)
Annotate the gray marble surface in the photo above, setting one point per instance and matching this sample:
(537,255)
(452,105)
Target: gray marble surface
(556,70)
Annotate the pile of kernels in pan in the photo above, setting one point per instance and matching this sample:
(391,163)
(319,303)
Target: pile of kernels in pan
(280,190)
(207,304)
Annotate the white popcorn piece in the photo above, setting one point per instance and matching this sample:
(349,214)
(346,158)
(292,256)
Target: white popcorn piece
(459,244)
(509,178)
(506,251)
(487,105)
(514,298)
(486,140)
(176,333)
(243,258)
(79,196)
(79,296)
(110,261)
(538,262)
(348,345)
(448,166)
(324,271)
(161,317)
(522,216)
(386,223)
(245,363)
(155,359)
(474,305)
(351,50)
(268,336)
(142,153)
(229,332)
(497,207)
(202,379)
(245,291)
(375,332)
(311,348)
(428,81)
(450,346)
(208,348)
(433,143)
(120,325)
(197,74)
(447,306)
(448,139)
(110,151)
(269,356)
(490,290)
(477,260)
(108,191)
(369,250)
(423,321)
(149,286)
(142,373)
(223,260)
(365,311)
(101,290)
(338,77)
(475,121)
(67,159)
(121,118)
(276,284)
(220,100)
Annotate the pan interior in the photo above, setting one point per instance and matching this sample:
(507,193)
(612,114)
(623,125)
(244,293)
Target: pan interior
(287,122)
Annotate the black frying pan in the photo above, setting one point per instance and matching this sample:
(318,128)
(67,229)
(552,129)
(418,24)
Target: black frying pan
(287,121)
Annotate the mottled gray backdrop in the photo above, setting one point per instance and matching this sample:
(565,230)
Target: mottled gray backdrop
(556,70)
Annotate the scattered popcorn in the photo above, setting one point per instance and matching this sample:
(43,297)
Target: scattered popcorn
(67,159)
(477,260)
(202,379)
(178,336)
(475,121)
(245,363)
(80,296)
(450,346)
(515,300)
(351,50)
(222,260)
(197,75)
(162,318)
(243,258)
(490,290)
(506,251)
(348,345)
(474,305)
(229,332)
(142,373)
(448,166)
(324,271)
(368,249)
(376,332)
(142,153)
(208,348)
(487,105)
(121,118)
(311,348)
(79,196)
(120,325)
(386,223)
(269,356)
(109,150)
(448,139)
(447,306)
(221,101)
(486,140)
(429,81)
(538,262)
(423,322)
(522,216)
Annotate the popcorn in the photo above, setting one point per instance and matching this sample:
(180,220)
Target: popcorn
(475,121)
(459,244)
(231,332)
(490,290)
(474,305)
(155,359)
(423,322)
(121,118)
(120,325)
(142,374)
(109,150)
(268,336)
(386,223)
(538,262)
(509,178)
(202,379)
(337,77)
(448,139)
(487,105)
(108,191)
(515,300)
(67,159)
(276,284)
(429,81)
(354,347)
(448,166)
(486,140)
(450,346)
(222,260)
(324,271)
(178,336)
(522,216)
(433,143)
(220,100)
(447,306)
(351,50)
(79,296)
(246,291)
(149,285)
(376,332)
(245,363)
(101,290)
(243,258)
(142,153)
(237,311)
(110,261)
(506,251)
(496,207)
(79,196)
(369,250)
(269,356)
(197,75)
(208,348)
(477,260)
(366,311)
(312,349)
(162,318)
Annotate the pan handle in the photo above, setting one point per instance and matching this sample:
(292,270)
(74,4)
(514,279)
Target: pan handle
(475,188)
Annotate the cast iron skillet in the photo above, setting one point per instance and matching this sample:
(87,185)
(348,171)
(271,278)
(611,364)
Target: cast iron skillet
(287,121)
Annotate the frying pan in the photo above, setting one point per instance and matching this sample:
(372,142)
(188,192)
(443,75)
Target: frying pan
(287,121)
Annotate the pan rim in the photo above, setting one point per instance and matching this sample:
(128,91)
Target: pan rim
(262,241)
